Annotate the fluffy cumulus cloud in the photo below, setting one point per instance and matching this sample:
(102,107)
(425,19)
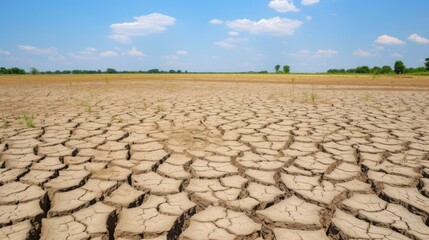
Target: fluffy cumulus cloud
(309,2)
(170,57)
(141,26)
(325,53)
(121,38)
(86,53)
(4,53)
(108,54)
(418,39)
(134,52)
(216,21)
(230,42)
(37,50)
(389,40)
(396,55)
(273,26)
(300,53)
(232,33)
(362,53)
(283,6)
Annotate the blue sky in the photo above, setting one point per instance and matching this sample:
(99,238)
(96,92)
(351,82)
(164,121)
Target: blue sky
(221,35)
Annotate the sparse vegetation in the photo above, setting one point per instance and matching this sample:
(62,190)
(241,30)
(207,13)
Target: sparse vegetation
(313,97)
(404,158)
(29,121)
(160,108)
(88,108)
(367,97)
(5,123)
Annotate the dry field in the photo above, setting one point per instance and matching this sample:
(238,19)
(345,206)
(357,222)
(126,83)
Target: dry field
(214,157)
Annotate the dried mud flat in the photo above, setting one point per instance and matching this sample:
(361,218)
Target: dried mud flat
(184,160)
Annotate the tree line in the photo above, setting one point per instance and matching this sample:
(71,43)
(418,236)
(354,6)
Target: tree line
(12,70)
(398,68)
(286,69)
(78,71)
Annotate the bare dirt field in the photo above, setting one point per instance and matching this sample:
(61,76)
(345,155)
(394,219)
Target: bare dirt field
(214,157)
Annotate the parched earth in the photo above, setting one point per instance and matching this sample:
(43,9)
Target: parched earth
(183,160)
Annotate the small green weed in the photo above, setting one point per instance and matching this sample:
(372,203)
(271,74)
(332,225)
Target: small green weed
(404,158)
(367,97)
(5,123)
(313,97)
(88,108)
(29,121)
(160,108)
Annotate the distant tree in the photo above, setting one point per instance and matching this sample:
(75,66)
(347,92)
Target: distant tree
(399,67)
(363,69)
(179,71)
(172,71)
(153,71)
(277,68)
(376,70)
(111,70)
(15,70)
(34,71)
(286,69)
(386,69)
(415,70)
(427,64)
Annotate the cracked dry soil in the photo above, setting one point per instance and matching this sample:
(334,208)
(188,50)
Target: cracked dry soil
(168,160)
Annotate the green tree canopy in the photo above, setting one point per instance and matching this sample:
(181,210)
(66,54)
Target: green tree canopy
(386,69)
(277,68)
(427,64)
(286,68)
(110,70)
(34,71)
(399,67)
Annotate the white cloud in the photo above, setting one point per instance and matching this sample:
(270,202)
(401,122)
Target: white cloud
(108,54)
(362,53)
(142,26)
(301,53)
(216,21)
(274,26)
(4,53)
(121,38)
(418,39)
(378,48)
(135,52)
(325,53)
(283,6)
(37,50)
(170,57)
(230,42)
(389,40)
(87,53)
(396,55)
(309,2)
(181,52)
(308,18)
(232,33)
